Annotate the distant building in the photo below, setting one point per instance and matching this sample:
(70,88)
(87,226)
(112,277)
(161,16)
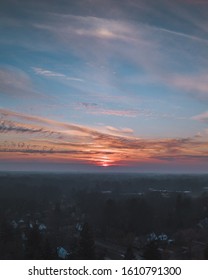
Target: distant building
(14,224)
(203,223)
(162,237)
(62,253)
(153,237)
(79,227)
(42,227)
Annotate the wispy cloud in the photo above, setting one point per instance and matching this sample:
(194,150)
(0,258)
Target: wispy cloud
(104,61)
(52,74)
(69,141)
(119,113)
(181,34)
(196,84)
(8,126)
(88,26)
(99,39)
(201,117)
(119,130)
(14,82)
(47,73)
(94,108)
(134,42)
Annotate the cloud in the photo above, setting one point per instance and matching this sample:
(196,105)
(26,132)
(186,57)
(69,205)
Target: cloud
(111,38)
(181,34)
(87,26)
(96,44)
(135,42)
(196,84)
(17,83)
(198,135)
(52,74)
(48,125)
(56,125)
(201,117)
(47,73)
(14,82)
(135,32)
(10,126)
(120,131)
(39,138)
(87,105)
(93,108)
(119,113)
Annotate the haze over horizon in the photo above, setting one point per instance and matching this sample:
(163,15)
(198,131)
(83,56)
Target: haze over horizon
(93,85)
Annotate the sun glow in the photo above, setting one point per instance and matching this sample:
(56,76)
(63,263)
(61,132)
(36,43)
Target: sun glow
(105,161)
(105,164)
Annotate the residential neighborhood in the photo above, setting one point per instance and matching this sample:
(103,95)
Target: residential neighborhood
(45,216)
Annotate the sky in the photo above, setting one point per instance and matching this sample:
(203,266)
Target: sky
(114,85)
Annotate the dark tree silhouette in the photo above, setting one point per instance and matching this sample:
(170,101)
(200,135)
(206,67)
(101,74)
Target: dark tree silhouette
(47,252)
(33,244)
(151,251)
(206,252)
(86,244)
(129,255)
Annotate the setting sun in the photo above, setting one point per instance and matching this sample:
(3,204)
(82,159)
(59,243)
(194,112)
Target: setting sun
(105,164)
(104,161)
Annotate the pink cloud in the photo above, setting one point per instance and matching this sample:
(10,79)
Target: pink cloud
(67,141)
(119,130)
(201,117)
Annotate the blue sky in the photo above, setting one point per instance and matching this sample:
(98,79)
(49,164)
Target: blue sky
(132,72)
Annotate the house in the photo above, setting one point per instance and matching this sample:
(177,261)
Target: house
(42,227)
(79,227)
(203,223)
(62,253)
(14,224)
(162,237)
(152,237)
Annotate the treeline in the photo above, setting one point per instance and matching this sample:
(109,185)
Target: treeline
(80,212)
(143,214)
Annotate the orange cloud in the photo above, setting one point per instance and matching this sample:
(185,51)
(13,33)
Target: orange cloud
(57,141)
